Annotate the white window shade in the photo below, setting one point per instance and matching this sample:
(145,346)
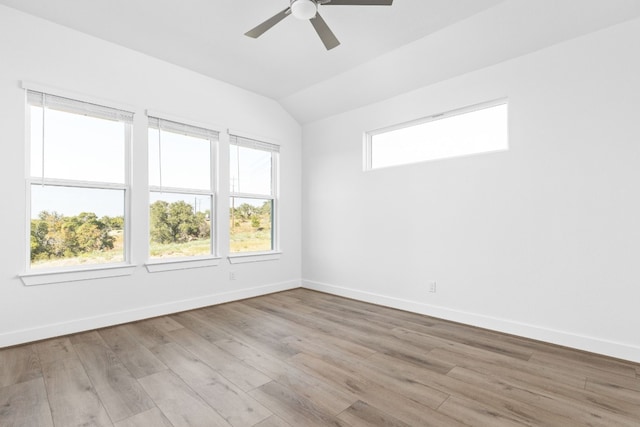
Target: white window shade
(252,143)
(182,129)
(54,102)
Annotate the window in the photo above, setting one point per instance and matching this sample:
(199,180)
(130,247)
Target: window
(78,182)
(181,184)
(253,183)
(472,130)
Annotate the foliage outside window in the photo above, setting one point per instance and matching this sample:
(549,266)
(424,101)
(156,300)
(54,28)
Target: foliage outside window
(181,180)
(253,173)
(78,183)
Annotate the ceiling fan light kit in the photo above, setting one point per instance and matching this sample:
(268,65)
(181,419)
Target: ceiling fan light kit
(304,9)
(308,10)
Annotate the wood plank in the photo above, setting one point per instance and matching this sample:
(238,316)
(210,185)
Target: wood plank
(331,399)
(235,406)
(25,404)
(546,377)
(480,339)
(147,334)
(510,407)
(598,367)
(201,326)
(292,407)
(273,421)
(323,344)
(285,297)
(614,391)
(239,373)
(179,403)
(618,381)
(73,400)
(609,395)
(473,413)
(138,359)
(258,331)
(388,400)
(151,418)
(383,340)
(362,415)
(403,385)
(524,397)
(19,364)
(118,390)
(164,323)
(54,349)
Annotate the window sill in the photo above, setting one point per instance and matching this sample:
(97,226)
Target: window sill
(253,257)
(181,264)
(94,272)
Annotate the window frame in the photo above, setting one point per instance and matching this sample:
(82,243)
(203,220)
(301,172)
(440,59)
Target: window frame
(43,276)
(369,135)
(212,259)
(243,140)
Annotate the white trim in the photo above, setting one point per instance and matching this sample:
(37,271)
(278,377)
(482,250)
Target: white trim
(34,278)
(440,116)
(76,96)
(155,266)
(88,323)
(246,257)
(275,204)
(177,119)
(128,194)
(568,339)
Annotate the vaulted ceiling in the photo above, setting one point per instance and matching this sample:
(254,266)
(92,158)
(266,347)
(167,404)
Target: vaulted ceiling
(384,51)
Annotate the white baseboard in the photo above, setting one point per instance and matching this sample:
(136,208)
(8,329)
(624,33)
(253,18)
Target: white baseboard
(567,339)
(85,324)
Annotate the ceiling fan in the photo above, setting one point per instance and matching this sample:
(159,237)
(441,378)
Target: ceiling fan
(308,9)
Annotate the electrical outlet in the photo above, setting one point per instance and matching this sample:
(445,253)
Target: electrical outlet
(232,275)
(432,287)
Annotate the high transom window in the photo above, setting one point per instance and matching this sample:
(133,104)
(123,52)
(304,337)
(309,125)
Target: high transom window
(472,130)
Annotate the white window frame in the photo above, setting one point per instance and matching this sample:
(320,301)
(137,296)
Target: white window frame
(184,126)
(243,140)
(369,135)
(30,276)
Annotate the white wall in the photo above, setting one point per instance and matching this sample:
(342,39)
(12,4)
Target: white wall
(541,240)
(35,50)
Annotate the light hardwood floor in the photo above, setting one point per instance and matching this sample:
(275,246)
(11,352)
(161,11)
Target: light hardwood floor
(303,358)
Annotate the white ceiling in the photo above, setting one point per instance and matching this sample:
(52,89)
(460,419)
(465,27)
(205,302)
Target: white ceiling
(385,50)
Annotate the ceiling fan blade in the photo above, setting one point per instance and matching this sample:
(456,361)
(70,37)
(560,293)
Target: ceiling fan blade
(266,25)
(358,3)
(326,35)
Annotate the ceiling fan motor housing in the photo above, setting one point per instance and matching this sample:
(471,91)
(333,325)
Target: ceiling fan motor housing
(308,10)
